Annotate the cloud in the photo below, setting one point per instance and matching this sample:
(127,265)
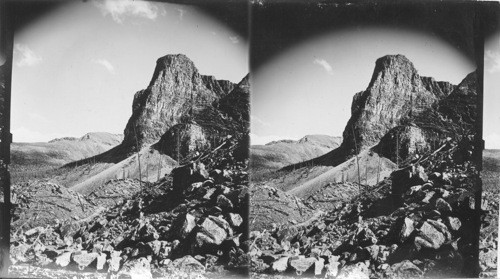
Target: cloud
(163,12)
(325,65)
(234,39)
(23,134)
(106,64)
(26,56)
(119,9)
(493,61)
(182,12)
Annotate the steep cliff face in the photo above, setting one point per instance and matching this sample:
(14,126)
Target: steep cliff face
(440,88)
(396,91)
(237,103)
(230,114)
(219,87)
(397,96)
(208,127)
(176,92)
(461,104)
(183,140)
(404,143)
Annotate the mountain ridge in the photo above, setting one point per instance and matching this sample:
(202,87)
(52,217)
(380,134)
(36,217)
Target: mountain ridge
(396,95)
(176,90)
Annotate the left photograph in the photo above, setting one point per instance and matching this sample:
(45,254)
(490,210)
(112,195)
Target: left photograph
(130,124)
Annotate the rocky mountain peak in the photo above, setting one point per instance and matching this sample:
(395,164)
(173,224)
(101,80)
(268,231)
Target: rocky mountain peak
(170,68)
(389,65)
(177,91)
(468,86)
(396,91)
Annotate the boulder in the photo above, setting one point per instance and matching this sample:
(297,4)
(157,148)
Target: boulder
(101,261)
(413,190)
(441,228)
(332,268)
(184,224)
(69,229)
(141,250)
(443,206)
(221,222)
(453,223)
(487,259)
(429,237)
(154,246)
(403,229)
(148,233)
(64,259)
(365,237)
(208,195)
(280,265)
(210,233)
(224,202)
(200,173)
(51,252)
(136,269)
(83,259)
(373,251)
(34,231)
(419,176)
(114,261)
(188,264)
(17,253)
(301,264)
(235,219)
(358,271)
(428,197)
(319,265)
(405,269)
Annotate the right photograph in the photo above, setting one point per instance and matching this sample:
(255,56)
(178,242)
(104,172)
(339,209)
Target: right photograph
(366,152)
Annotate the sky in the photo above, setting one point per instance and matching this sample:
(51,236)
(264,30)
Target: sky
(77,69)
(491,113)
(308,88)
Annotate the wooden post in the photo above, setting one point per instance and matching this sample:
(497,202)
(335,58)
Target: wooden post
(138,158)
(357,161)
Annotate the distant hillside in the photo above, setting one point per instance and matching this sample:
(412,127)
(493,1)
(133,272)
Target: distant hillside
(27,158)
(278,154)
(180,113)
(491,170)
(58,152)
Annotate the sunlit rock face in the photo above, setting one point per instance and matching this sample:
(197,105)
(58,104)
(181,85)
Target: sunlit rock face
(461,104)
(211,124)
(395,92)
(176,92)
(403,143)
(183,140)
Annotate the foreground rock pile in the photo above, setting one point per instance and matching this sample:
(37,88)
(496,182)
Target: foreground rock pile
(192,221)
(39,203)
(429,233)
